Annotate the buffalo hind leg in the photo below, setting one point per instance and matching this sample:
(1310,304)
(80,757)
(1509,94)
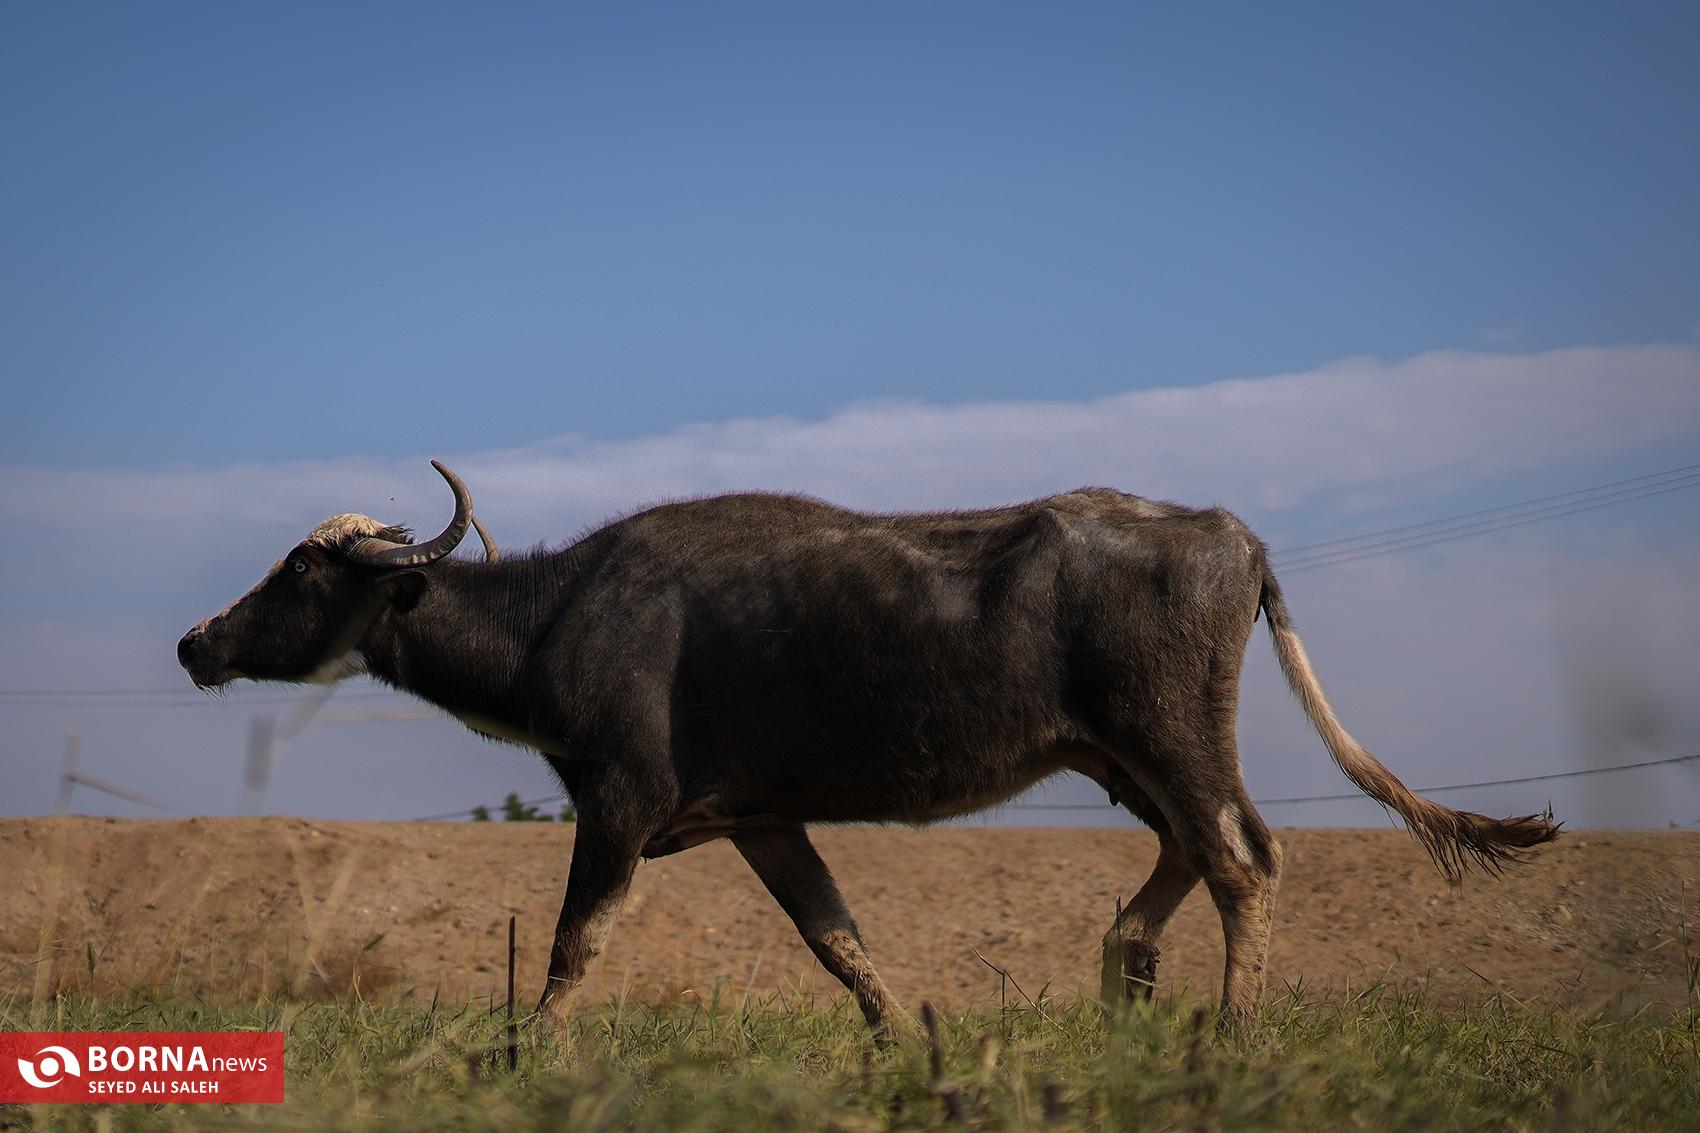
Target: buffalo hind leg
(1240,862)
(1243,887)
(1130,947)
(1214,833)
(786,861)
(1130,951)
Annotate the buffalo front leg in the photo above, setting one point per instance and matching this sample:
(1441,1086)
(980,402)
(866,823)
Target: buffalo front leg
(597,883)
(786,861)
(612,829)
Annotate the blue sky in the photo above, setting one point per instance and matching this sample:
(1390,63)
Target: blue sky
(241,231)
(258,263)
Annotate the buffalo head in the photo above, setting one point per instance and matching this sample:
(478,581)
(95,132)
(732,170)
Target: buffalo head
(304,619)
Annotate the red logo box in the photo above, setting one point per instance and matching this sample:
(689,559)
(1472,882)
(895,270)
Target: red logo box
(148,1067)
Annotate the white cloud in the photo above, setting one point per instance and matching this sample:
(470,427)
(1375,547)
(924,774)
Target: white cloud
(1379,431)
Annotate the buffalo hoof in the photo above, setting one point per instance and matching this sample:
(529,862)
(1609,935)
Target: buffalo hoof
(1140,974)
(895,1028)
(1130,972)
(552,1020)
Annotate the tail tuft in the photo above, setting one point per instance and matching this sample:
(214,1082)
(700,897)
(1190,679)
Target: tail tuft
(1459,839)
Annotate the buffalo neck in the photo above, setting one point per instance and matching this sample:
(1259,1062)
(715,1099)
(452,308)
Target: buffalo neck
(460,647)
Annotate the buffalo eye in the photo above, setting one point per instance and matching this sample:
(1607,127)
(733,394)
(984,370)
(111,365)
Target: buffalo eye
(300,567)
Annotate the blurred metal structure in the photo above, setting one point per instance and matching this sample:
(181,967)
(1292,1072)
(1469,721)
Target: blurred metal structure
(70,779)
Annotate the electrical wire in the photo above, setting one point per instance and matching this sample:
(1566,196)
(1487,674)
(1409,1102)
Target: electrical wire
(1483,527)
(1304,549)
(1576,774)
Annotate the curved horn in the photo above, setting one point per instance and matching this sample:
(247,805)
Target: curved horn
(383,553)
(491,554)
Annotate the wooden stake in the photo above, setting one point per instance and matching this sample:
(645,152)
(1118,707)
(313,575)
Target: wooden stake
(513,1030)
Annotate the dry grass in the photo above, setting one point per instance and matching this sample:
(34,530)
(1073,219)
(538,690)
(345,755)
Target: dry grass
(1381,1059)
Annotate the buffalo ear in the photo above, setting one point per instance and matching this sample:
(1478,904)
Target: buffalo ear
(402,588)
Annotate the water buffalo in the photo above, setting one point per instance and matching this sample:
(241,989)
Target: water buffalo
(744,665)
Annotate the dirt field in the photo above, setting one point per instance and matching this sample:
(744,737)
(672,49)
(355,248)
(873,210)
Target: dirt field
(230,906)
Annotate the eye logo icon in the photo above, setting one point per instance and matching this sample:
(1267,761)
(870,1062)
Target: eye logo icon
(51,1065)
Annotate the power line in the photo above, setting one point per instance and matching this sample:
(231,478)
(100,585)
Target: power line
(1547,778)
(178,691)
(1518,513)
(1308,547)
(75,698)
(1351,795)
(90,691)
(1483,527)
(1666,762)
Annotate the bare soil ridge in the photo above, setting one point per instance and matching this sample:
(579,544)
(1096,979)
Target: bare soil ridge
(233,906)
